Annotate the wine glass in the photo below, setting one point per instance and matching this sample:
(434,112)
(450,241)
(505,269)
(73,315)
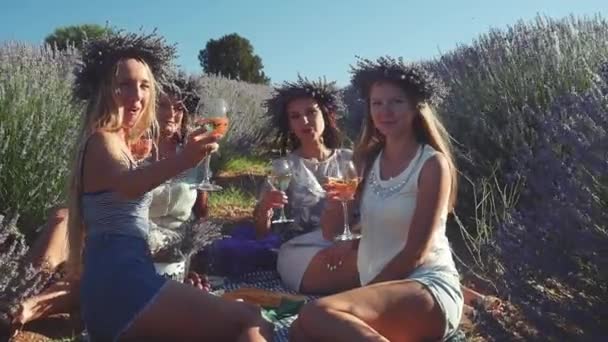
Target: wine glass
(214,118)
(345,184)
(279,178)
(142,148)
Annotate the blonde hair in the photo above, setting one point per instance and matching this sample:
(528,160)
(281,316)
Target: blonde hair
(101,113)
(428,130)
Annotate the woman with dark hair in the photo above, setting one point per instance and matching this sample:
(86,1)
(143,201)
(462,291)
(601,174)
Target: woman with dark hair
(304,114)
(410,288)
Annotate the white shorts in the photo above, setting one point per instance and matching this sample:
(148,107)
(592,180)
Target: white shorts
(445,288)
(296,254)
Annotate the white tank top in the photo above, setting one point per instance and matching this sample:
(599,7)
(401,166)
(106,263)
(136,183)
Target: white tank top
(387,208)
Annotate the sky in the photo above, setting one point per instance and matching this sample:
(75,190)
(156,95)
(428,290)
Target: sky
(314,38)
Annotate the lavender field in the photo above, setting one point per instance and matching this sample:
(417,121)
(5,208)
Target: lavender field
(528,112)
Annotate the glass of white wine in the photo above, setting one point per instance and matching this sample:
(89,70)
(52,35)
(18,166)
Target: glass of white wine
(279,178)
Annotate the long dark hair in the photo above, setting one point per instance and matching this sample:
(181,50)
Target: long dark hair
(332,137)
(325,94)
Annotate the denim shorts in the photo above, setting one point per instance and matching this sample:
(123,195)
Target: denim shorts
(444,286)
(118,282)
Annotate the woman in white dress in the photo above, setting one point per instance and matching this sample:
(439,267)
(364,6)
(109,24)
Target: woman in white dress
(304,114)
(410,286)
(174,202)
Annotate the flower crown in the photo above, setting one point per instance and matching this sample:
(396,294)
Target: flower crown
(326,94)
(412,77)
(183,89)
(99,56)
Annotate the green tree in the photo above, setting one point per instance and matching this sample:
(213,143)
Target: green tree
(232,56)
(75,35)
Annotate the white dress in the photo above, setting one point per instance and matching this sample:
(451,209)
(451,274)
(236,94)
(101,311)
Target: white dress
(306,203)
(170,208)
(387,209)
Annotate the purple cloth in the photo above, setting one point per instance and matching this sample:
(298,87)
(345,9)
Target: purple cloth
(241,253)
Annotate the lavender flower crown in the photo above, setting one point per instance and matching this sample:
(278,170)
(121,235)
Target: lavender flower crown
(182,88)
(325,93)
(100,55)
(413,77)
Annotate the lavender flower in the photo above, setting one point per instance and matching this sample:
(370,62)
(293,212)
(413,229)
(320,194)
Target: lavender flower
(18,278)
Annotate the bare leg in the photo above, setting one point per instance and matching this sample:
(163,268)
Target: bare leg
(471,297)
(393,311)
(50,249)
(319,279)
(182,312)
(296,334)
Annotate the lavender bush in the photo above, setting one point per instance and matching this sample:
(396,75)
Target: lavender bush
(503,72)
(554,246)
(547,251)
(37,122)
(18,279)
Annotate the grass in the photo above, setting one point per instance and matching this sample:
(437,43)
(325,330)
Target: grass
(229,164)
(240,164)
(231,203)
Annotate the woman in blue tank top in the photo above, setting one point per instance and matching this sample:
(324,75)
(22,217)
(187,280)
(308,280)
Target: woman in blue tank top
(121,294)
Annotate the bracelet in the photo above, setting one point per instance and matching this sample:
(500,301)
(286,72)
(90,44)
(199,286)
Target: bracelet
(332,268)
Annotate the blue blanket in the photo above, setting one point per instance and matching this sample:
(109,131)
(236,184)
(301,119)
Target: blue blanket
(267,280)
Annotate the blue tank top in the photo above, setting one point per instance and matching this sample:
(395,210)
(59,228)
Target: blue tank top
(106,212)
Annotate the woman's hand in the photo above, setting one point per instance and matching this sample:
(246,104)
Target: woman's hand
(273,199)
(335,256)
(340,190)
(199,145)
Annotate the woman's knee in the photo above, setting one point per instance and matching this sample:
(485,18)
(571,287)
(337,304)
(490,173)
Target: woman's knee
(58,213)
(311,313)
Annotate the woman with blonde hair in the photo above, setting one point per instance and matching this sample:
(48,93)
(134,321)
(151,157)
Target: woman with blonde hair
(121,294)
(410,286)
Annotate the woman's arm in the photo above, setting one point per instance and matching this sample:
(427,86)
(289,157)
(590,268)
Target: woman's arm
(432,199)
(105,159)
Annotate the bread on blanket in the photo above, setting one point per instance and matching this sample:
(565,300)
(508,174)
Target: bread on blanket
(260,297)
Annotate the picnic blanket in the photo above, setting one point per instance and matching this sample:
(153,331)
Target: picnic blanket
(267,280)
